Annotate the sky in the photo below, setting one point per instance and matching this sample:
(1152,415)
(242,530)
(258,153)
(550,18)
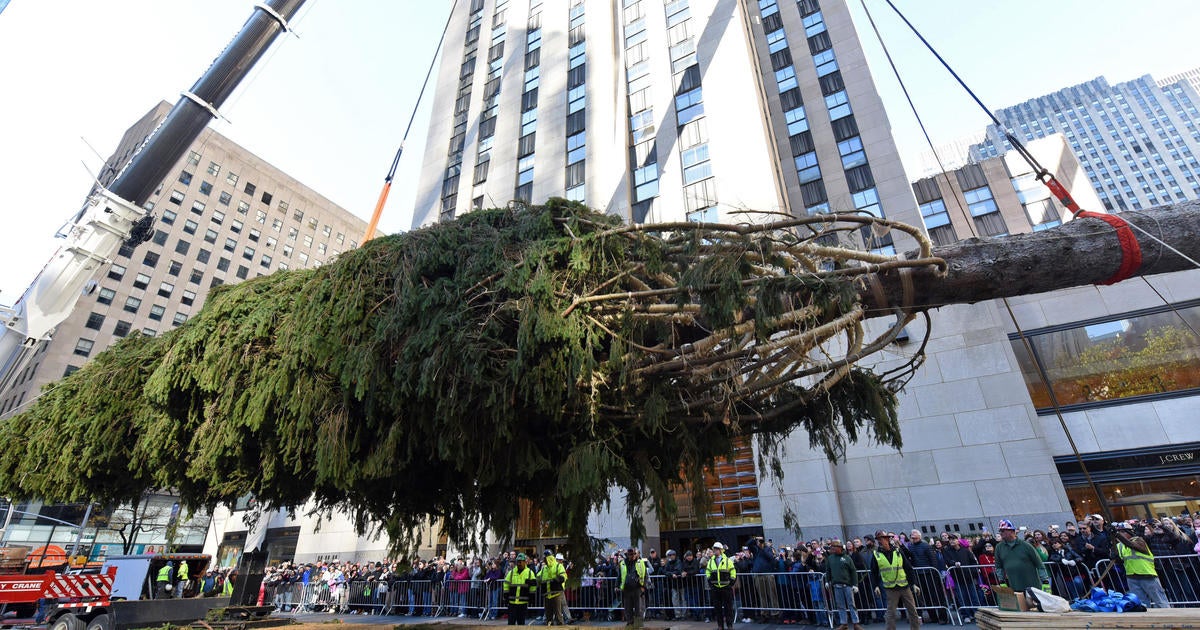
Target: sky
(329,106)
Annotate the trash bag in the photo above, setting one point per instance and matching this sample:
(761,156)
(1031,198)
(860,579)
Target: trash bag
(1046,602)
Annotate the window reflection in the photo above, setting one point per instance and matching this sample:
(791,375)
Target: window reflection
(1144,355)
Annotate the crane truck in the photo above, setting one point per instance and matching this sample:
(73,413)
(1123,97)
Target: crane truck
(115,215)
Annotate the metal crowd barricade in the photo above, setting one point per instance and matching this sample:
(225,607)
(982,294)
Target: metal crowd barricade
(1180,577)
(1069,582)
(797,596)
(1110,576)
(363,597)
(672,597)
(286,597)
(935,597)
(972,588)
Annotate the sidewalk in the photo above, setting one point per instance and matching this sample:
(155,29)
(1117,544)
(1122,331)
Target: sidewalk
(653,624)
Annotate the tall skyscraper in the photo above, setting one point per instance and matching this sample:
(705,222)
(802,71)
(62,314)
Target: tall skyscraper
(1138,141)
(1192,77)
(660,111)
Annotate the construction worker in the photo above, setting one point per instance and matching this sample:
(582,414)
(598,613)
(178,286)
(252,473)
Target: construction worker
(1133,552)
(181,578)
(893,570)
(553,578)
(227,585)
(632,581)
(1017,562)
(721,576)
(518,588)
(162,581)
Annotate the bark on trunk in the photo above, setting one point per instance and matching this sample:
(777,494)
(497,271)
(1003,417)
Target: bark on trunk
(1081,251)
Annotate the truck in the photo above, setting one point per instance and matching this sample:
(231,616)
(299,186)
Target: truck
(119,597)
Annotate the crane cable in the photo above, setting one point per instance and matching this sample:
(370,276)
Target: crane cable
(1056,188)
(1043,375)
(387,181)
(1131,256)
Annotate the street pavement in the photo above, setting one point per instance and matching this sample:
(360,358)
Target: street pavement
(652,624)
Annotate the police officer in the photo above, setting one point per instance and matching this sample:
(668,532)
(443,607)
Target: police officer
(518,587)
(721,576)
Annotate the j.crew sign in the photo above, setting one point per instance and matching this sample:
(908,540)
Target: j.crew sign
(1176,458)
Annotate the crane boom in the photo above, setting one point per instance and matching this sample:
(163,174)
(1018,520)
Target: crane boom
(115,216)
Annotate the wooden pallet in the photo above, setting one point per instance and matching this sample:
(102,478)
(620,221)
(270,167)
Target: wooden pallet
(1153,619)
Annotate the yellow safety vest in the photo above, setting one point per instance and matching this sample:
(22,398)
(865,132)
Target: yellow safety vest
(227,587)
(720,571)
(892,572)
(516,581)
(641,572)
(1136,562)
(164,574)
(182,573)
(550,576)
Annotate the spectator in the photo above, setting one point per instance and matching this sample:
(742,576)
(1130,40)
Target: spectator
(1017,563)
(673,568)
(1092,543)
(764,583)
(963,572)
(933,591)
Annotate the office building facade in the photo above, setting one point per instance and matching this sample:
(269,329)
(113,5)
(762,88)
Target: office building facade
(1138,141)
(223,216)
(660,111)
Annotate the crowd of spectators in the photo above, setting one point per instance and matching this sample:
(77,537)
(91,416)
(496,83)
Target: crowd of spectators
(785,584)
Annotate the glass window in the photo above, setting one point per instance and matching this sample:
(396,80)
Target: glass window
(852,152)
(83,347)
(1146,354)
(157,311)
(132,304)
(94,321)
(105,296)
(141,281)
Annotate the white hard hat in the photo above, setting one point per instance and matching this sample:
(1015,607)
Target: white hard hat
(718,545)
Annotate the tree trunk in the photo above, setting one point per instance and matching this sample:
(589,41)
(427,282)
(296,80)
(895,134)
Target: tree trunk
(1081,251)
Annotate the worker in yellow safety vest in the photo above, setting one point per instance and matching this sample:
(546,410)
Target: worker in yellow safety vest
(553,577)
(892,570)
(519,585)
(632,581)
(162,581)
(721,576)
(1133,552)
(181,578)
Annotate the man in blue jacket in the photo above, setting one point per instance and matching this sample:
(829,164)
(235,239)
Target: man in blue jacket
(764,580)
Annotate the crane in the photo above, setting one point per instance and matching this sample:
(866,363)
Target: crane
(115,215)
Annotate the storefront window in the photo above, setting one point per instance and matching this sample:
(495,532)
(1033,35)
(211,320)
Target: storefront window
(1155,498)
(1149,354)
